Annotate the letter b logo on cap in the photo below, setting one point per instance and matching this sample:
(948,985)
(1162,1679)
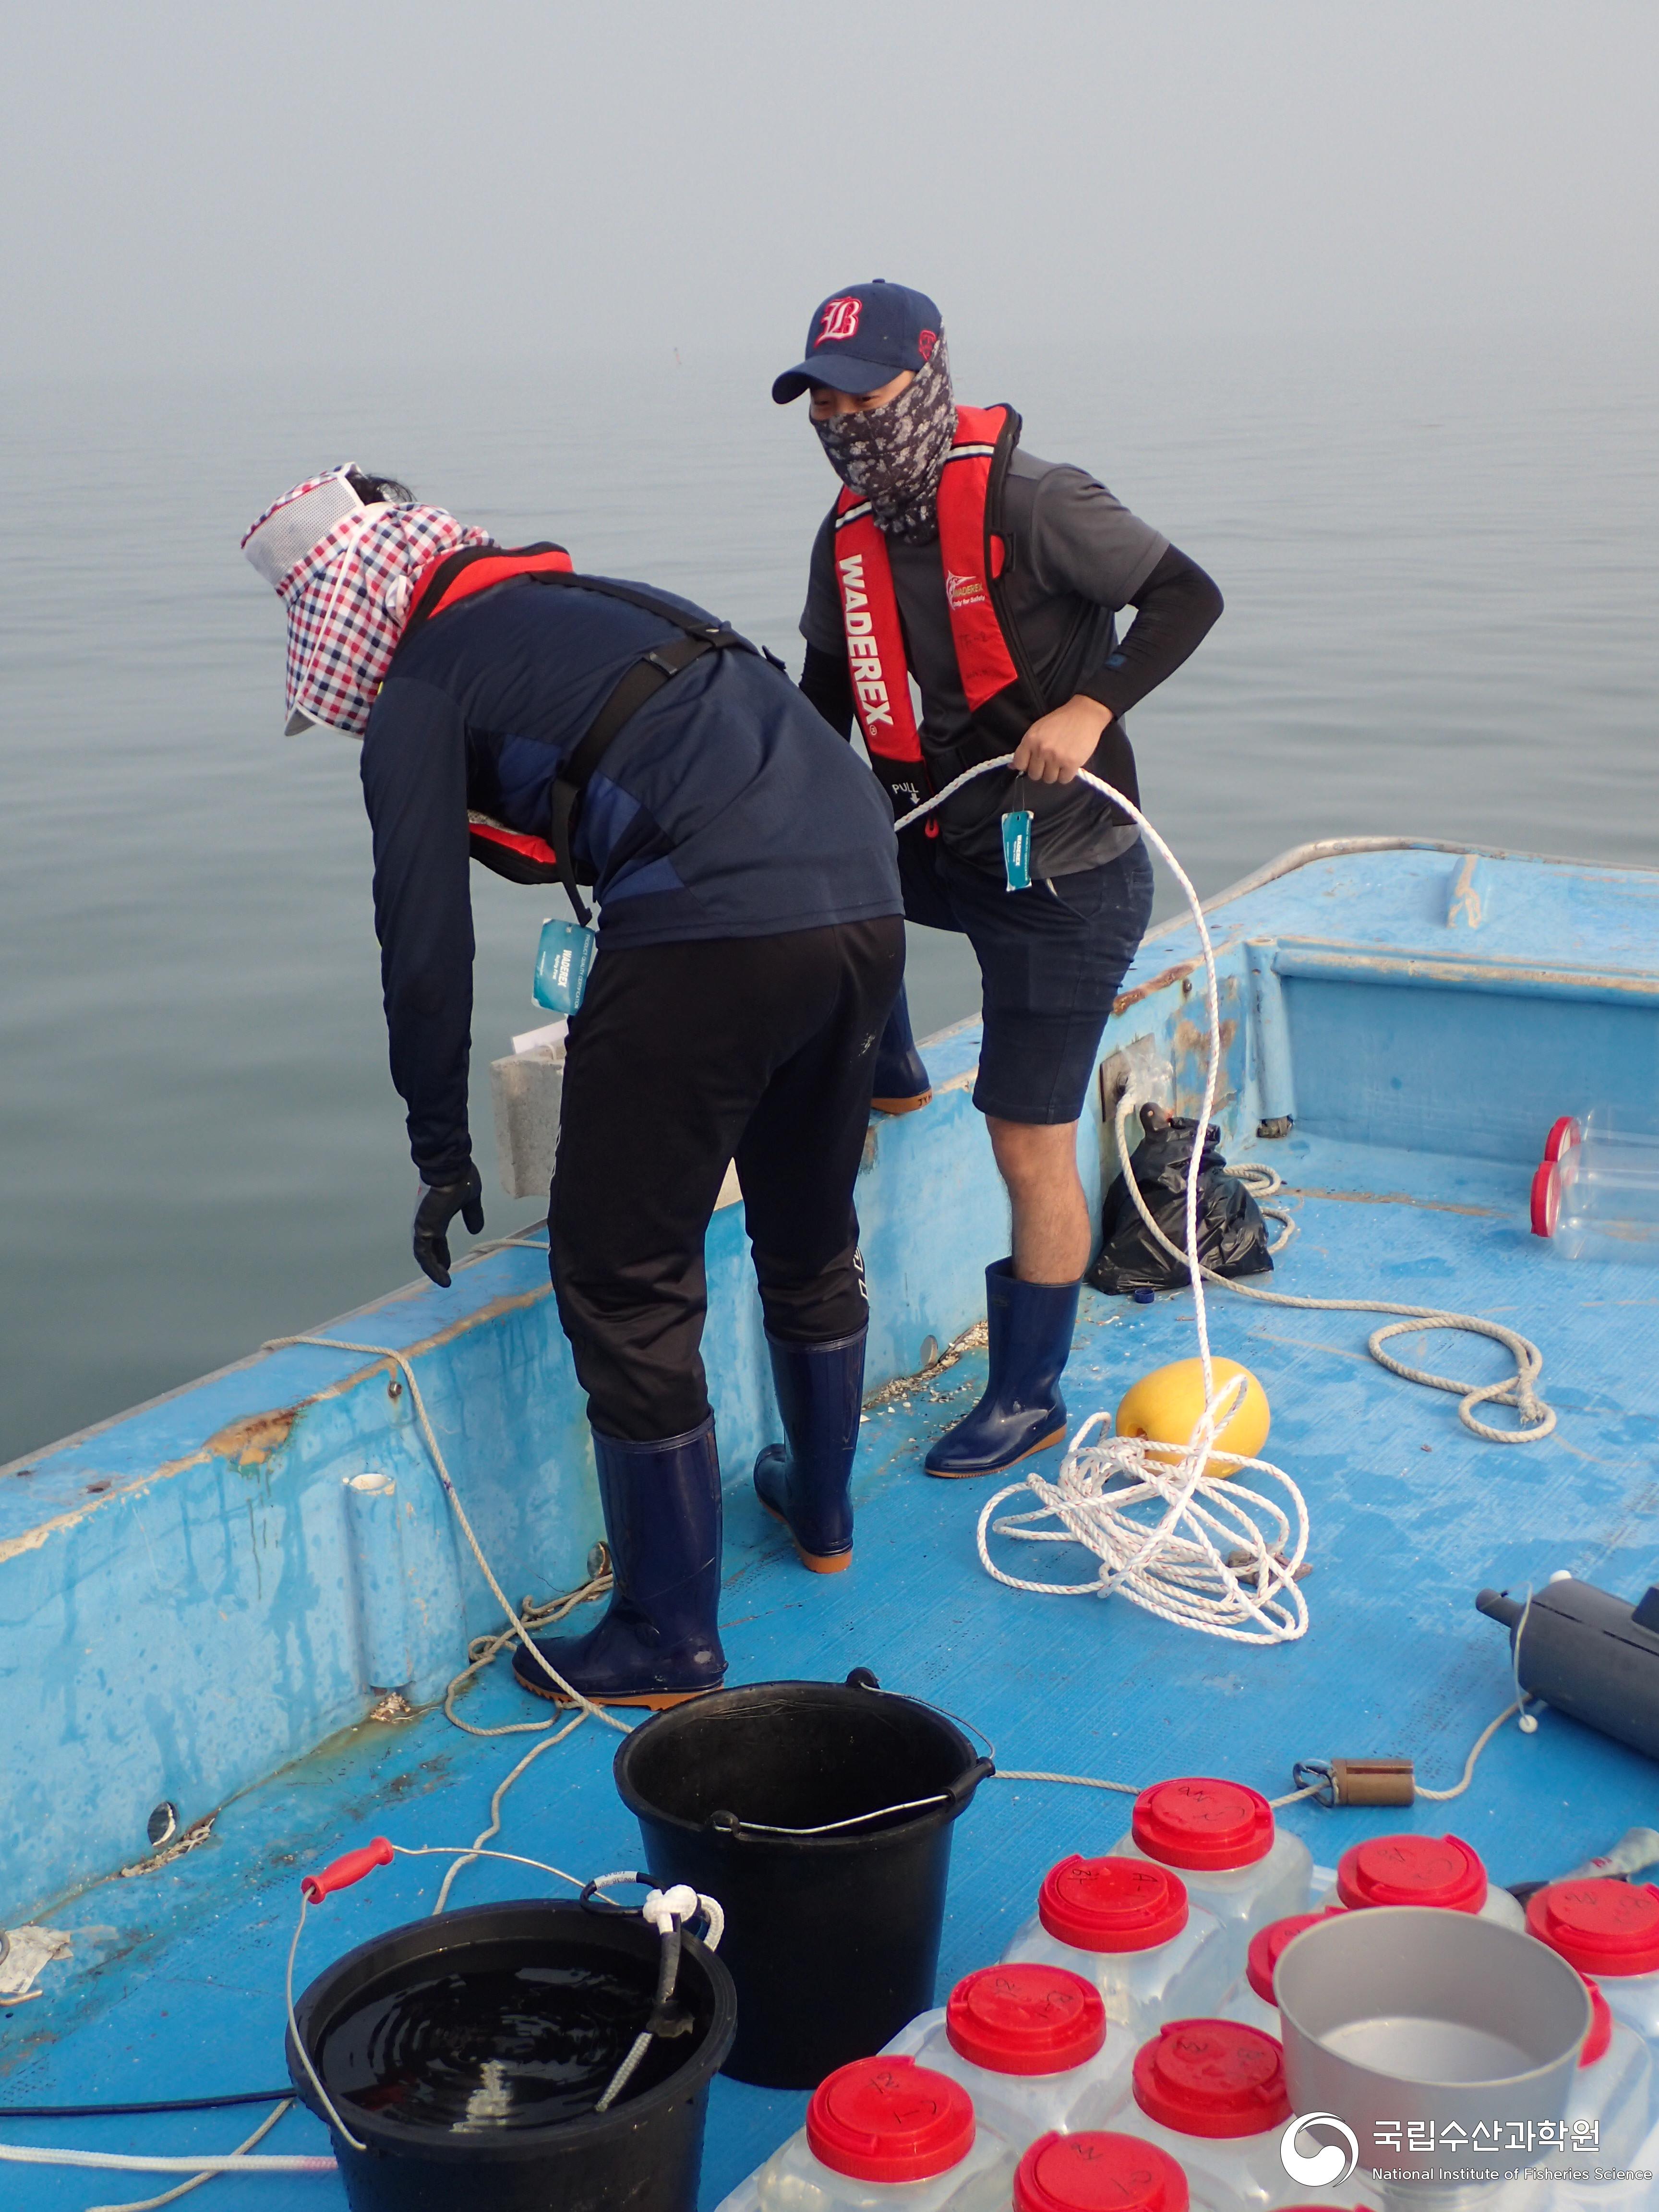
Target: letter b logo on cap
(841,319)
(1331,2163)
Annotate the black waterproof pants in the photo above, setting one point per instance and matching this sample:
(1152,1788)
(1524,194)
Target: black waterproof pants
(683,1058)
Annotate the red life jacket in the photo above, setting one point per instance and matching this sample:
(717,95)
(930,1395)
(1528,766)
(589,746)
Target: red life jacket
(998,680)
(510,853)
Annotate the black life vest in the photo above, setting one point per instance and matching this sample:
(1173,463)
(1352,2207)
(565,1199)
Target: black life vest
(521,857)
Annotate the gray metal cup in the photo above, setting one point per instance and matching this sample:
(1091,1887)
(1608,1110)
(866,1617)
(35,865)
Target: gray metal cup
(1397,2013)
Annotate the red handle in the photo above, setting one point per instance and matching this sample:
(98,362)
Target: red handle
(343,1872)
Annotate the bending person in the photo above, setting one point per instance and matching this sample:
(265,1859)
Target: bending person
(992,579)
(751,946)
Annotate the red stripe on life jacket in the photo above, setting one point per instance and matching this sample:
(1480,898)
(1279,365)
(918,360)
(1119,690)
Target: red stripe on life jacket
(875,642)
(520,857)
(458,575)
(972,557)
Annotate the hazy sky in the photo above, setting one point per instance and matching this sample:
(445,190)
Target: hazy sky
(414,183)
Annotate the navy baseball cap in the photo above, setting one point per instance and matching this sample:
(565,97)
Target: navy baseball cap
(862,338)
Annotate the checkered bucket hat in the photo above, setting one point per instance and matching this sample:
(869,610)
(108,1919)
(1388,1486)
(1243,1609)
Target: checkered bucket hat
(345,574)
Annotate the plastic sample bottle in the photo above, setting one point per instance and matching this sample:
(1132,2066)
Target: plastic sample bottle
(1598,1198)
(1607,2114)
(1128,1926)
(1441,1871)
(1099,2172)
(887,2133)
(1254,2002)
(1212,2093)
(1031,2045)
(1610,1930)
(1222,1839)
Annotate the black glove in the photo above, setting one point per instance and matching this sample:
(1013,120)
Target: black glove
(437,1206)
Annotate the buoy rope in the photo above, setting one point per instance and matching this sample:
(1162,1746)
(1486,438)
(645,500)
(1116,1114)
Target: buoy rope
(1169,1537)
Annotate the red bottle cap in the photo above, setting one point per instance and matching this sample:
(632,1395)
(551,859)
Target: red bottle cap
(1112,1904)
(1195,1822)
(1600,2026)
(889,2119)
(1439,1870)
(1212,2077)
(1262,1961)
(1025,2019)
(1096,2172)
(1546,1202)
(1601,1927)
(1563,1135)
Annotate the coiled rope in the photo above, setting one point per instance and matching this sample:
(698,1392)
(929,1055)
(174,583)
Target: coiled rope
(1170,1537)
(1206,1552)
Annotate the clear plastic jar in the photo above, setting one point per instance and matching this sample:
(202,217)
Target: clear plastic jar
(884,2134)
(1598,1197)
(1128,1926)
(1252,2002)
(1222,1839)
(1212,2093)
(1031,2045)
(1104,2171)
(1609,1930)
(1441,1872)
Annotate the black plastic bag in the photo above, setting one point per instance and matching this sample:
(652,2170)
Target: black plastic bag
(1232,1236)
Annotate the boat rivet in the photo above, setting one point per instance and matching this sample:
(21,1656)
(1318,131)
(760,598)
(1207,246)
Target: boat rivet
(163,1825)
(394,1388)
(1186,987)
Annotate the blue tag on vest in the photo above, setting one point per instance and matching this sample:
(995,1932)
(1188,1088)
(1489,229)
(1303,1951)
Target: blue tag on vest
(1016,850)
(562,961)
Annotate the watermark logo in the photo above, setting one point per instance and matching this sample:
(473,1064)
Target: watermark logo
(1330,2164)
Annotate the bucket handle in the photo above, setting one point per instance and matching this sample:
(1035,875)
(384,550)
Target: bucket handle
(862,1679)
(957,1793)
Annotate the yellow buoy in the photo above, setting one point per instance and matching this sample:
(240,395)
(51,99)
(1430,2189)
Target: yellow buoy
(1166,1405)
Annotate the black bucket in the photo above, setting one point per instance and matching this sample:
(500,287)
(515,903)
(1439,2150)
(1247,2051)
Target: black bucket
(468,2052)
(820,1816)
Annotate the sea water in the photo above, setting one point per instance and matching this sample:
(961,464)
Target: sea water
(493,2048)
(1438,558)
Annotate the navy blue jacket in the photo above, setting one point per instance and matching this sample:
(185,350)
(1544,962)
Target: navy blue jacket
(725,808)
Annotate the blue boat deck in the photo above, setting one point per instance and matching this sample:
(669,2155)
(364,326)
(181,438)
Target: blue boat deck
(174,1985)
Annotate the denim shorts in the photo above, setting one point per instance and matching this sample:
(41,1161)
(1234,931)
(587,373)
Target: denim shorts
(1051,961)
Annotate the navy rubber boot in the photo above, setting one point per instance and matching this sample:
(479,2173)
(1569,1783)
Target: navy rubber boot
(660,1641)
(805,1482)
(1022,1410)
(901,1081)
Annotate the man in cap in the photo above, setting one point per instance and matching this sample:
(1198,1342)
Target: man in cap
(750,944)
(955,558)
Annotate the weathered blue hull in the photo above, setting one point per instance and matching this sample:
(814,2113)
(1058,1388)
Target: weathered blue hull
(197,1607)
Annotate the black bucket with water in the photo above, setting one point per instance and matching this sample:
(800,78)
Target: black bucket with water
(820,1816)
(468,2053)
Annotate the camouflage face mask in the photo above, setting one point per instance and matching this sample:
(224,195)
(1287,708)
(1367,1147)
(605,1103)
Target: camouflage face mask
(892,455)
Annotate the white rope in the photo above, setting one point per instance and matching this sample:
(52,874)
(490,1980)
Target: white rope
(1159,1534)
(1517,1390)
(406,1370)
(199,2179)
(1173,1540)
(112,2161)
